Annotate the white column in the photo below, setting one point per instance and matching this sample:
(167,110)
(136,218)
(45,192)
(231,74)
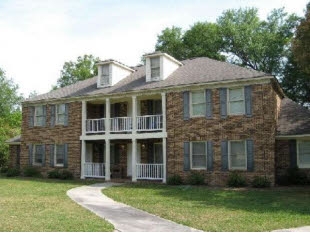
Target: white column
(134,115)
(134,160)
(163,105)
(83,155)
(84,116)
(107,116)
(164,160)
(107,160)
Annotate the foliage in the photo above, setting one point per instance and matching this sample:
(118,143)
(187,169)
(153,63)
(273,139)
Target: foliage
(196,178)
(261,182)
(32,172)
(12,172)
(54,174)
(294,176)
(236,180)
(174,180)
(60,174)
(301,42)
(73,71)
(4,170)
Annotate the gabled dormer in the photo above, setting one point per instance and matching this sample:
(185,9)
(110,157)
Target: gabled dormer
(111,72)
(159,66)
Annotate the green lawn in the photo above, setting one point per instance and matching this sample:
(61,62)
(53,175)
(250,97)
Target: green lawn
(212,209)
(42,205)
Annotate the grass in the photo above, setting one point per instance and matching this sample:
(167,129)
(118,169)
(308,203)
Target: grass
(215,209)
(42,205)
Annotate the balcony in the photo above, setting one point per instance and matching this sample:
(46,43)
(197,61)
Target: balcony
(121,124)
(150,123)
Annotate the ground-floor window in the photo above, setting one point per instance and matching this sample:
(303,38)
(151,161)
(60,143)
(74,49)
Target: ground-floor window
(59,155)
(303,154)
(198,155)
(38,155)
(237,155)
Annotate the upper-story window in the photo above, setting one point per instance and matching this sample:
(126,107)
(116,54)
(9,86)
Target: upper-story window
(155,67)
(236,101)
(105,75)
(198,103)
(39,116)
(60,114)
(237,155)
(303,152)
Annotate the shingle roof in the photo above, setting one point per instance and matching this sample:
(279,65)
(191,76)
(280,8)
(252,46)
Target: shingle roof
(293,119)
(193,71)
(16,139)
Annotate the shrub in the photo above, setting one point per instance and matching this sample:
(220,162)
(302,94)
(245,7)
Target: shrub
(236,180)
(175,180)
(261,182)
(55,174)
(66,175)
(32,172)
(4,170)
(196,178)
(295,176)
(12,172)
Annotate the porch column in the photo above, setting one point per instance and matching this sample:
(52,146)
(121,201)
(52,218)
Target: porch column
(84,117)
(107,160)
(164,160)
(134,160)
(107,116)
(83,154)
(163,105)
(134,115)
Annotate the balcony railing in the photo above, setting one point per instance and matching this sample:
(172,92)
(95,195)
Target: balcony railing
(150,171)
(96,170)
(121,124)
(149,123)
(95,125)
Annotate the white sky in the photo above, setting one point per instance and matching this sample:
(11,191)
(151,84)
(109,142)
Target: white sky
(37,36)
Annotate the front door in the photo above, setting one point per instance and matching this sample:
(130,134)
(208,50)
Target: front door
(129,157)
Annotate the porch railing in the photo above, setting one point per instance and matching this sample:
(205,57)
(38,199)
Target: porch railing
(150,171)
(95,125)
(149,122)
(96,170)
(121,124)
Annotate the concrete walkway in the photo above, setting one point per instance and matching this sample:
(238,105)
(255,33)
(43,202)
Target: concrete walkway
(123,217)
(297,229)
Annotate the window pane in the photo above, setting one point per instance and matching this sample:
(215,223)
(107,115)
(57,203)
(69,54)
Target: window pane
(199,109)
(155,72)
(237,148)
(237,155)
(61,108)
(237,161)
(304,153)
(236,94)
(155,62)
(237,107)
(39,110)
(199,147)
(105,70)
(104,79)
(61,119)
(198,97)
(60,151)
(198,161)
(38,154)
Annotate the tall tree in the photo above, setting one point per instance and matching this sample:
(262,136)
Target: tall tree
(257,44)
(74,71)
(301,42)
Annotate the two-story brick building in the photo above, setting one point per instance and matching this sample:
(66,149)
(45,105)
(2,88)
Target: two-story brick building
(166,117)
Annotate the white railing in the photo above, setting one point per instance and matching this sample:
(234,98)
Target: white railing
(121,124)
(149,122)
(95,125)
(96,170)
(150,171)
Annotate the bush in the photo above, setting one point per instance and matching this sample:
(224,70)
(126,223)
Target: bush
(261,182)
(12,172)
(60,174)
(196,178)
(175,180)
(294,176)
(55,174)
(236,180)
(32,172)
(4,170)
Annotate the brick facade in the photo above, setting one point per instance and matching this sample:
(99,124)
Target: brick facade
(14,154)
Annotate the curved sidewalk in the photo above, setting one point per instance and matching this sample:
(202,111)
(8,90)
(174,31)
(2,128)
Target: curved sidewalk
(123,217)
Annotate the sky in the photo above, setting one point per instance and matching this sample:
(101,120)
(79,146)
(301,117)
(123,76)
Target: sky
(38,36)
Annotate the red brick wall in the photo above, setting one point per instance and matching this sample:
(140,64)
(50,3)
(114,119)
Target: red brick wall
(13,151)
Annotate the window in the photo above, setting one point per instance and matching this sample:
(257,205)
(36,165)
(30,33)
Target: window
(236,101)
(105,75)
(38,155)
(155,67)
(237,155)
(198,103)
(60,114)
(198,155)
(303,154)
(59,155)
(39,116)
(158,153)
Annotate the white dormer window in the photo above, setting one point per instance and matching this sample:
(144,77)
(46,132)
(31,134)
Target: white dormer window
(105,75)
(155,68)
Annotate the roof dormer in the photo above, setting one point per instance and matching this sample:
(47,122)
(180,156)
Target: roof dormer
(111,72)
(159,66)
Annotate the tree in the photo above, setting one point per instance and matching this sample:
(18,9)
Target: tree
(10,114)
(301,42)
(257,44)
(74,71)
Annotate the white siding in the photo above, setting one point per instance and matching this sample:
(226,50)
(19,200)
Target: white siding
(118,73)
(168,67)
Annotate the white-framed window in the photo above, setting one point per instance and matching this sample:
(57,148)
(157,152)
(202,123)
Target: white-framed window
(303,154)
(59,157)
(39,116)
(198,155)
(198,103)
(37,154)
(158,153)
(155,67)
(237,156)
(236,103)
(60,114)
(105,75)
